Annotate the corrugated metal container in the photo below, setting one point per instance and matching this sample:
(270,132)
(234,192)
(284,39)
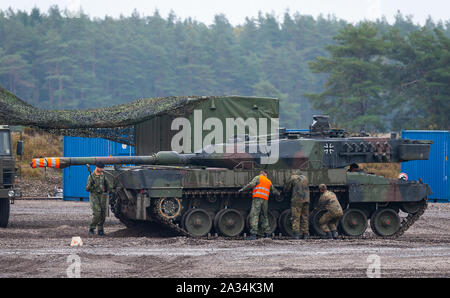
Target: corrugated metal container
(435,171)
(74,178)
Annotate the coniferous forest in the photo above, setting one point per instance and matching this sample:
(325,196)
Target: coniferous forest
(374,76)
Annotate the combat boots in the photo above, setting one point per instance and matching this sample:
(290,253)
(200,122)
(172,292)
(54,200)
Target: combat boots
(305,236)
(334,234)
(267,235)
(295,236)
(251,237)
(91,231)
(327,235)
(101,233)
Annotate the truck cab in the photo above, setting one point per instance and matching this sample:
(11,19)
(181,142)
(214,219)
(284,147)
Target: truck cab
(8,190)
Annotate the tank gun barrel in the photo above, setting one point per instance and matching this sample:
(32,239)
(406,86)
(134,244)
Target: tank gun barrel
(162,157)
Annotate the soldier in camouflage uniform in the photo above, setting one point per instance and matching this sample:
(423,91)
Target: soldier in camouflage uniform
(98,188)
(262,187)
(297,188)
(328,221)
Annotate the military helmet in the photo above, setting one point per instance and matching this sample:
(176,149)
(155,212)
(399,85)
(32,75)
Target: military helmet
(322,186)
(100,165)
(296,172)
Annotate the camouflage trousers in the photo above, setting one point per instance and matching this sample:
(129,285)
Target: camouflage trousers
(99,209)
(328,221)
(300,218)
(259,210)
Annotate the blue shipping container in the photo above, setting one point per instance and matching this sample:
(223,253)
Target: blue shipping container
(74,178)
(435,171)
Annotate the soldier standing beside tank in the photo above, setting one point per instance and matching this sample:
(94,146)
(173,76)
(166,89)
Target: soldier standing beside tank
(98,187)
(328,221)
(297,188)
(262,187)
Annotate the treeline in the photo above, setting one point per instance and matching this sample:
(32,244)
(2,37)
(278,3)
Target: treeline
(379,80)
(54,61)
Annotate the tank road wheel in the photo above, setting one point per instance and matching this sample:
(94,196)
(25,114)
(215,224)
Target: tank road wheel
(229,222)
(411,207)
(197,222)
(183,219)
(168,208)
(385,222)
(353,222)
(216,220)
(285,223)
(272,223)
(4,212)
(314,226)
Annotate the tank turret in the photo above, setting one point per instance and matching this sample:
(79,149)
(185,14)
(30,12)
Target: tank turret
(290,151)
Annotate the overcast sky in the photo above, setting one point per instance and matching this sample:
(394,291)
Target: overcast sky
(237,10)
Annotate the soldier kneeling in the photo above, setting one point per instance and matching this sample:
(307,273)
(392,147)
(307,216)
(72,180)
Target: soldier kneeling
(328,221)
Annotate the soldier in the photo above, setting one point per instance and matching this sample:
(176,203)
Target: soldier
(297,188)
(98,188)
(262,187)
(329,220)
(354,168)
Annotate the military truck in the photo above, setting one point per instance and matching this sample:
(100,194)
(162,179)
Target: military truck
(197,193)
(8,189)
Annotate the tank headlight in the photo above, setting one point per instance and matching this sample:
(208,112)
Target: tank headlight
(11,193)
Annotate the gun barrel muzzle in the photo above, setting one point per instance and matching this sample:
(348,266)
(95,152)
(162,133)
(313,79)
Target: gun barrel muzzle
(47,162)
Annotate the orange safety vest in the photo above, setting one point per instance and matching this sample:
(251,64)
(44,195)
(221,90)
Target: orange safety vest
(262,190)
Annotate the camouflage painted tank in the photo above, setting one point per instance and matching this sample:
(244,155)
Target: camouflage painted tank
(197,194)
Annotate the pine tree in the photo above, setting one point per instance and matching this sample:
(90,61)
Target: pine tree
(352,94)
(419,79)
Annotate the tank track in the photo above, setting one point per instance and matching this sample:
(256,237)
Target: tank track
(405,224)
(409,220)
(115,205)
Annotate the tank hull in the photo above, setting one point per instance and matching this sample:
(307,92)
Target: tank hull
(140,192)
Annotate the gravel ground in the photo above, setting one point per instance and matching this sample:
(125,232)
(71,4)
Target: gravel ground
(41,187)
(37,244)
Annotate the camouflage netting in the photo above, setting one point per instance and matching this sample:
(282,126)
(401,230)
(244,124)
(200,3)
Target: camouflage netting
(123,135)
(115,123)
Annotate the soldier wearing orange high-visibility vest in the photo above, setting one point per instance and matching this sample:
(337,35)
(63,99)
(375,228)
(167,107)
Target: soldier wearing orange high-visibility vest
(262,187)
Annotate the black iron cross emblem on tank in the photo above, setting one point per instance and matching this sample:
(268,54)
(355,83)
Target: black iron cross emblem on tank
(328,148)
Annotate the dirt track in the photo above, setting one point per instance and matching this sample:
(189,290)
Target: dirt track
(37,244)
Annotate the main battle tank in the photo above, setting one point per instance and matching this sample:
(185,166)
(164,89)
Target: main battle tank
(197,194)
